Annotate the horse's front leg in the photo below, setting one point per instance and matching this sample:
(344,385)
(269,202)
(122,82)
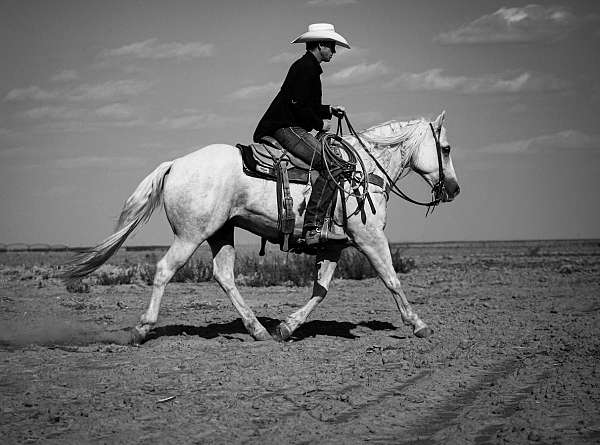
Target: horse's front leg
(374,244)
(324,268)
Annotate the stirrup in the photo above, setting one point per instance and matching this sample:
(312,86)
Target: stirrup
(323,235)
(330,236)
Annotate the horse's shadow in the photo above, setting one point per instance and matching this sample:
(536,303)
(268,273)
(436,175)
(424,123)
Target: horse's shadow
(342,329)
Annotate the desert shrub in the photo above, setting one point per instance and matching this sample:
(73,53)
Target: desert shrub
(567,269)
(277,268)
(194,271)
(78,287)
(292,270)
(298,270)
(146,272)
(353,265)
(118,275)
(402,264)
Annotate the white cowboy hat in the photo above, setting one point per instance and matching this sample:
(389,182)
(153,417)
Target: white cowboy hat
(321,31)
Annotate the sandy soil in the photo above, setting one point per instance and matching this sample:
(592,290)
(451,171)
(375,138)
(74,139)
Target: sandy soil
(514,358)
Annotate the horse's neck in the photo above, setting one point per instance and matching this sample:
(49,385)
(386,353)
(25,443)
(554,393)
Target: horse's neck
(394,158)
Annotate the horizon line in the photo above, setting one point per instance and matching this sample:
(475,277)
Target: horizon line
(41,246)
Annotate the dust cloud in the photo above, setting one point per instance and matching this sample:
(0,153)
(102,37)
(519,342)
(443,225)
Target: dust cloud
(58,332)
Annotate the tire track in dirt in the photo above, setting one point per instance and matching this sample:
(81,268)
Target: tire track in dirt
(441,421)
(450,420)
(356,409)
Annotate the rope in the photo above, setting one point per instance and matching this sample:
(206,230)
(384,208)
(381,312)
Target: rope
(359,179)
(393,187)
(330,149)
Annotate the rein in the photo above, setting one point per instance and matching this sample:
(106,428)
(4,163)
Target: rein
(437,190)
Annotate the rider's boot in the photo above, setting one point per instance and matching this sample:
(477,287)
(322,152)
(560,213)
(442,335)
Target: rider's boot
(315,232)
(321,235)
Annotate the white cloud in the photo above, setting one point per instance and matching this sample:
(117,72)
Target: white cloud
(30,93)
(331,2)
(53,113)
(435,80)
(151,49)
(194,120)
(111,90)
(65,76)
(106,91)
(341,54)
(531,23)
(567,140)
(114,111)
(79,119)
(253,92)
(360,73)
(286,57)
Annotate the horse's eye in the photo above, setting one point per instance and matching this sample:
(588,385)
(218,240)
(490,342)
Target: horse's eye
(446,149)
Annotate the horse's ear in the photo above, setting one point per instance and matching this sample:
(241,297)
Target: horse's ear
(440,120)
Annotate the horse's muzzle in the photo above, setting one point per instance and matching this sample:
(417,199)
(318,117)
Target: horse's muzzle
(450,190)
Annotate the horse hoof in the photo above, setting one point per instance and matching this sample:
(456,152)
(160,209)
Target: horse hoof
(282,332)
(137,337)
(262,336)
(424,332)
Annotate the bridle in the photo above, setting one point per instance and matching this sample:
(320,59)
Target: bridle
(438,189)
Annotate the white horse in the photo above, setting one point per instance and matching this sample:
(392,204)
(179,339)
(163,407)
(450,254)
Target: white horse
(206,194)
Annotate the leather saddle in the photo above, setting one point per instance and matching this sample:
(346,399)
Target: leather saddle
(260,161)
(271,161)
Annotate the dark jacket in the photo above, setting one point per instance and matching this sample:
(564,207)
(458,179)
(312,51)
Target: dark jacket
(298,103)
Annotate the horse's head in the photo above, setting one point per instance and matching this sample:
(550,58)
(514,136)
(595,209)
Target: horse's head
(433,162)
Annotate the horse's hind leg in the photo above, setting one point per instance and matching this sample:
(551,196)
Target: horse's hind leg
(324,268)
(179,252)
(221,244)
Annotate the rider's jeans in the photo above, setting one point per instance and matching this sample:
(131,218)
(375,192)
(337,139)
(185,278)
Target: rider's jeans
(305,146)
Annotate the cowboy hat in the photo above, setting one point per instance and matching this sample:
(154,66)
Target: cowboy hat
(321,31)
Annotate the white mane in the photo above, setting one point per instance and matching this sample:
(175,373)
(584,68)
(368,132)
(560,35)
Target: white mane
(409,134)
(386,138)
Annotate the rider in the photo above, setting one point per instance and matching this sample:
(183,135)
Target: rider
(295,111)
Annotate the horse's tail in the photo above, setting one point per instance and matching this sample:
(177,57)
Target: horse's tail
(137,209)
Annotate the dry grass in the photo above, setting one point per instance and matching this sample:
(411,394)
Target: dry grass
(276,268)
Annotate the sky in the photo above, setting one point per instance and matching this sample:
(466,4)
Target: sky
(95,94)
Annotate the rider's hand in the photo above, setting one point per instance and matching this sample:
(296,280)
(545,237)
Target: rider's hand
(338,110)
(326,126)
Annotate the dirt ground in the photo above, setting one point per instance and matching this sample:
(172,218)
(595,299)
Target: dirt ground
(514,358)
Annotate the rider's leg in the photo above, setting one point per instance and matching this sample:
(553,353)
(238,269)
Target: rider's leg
(305,146)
